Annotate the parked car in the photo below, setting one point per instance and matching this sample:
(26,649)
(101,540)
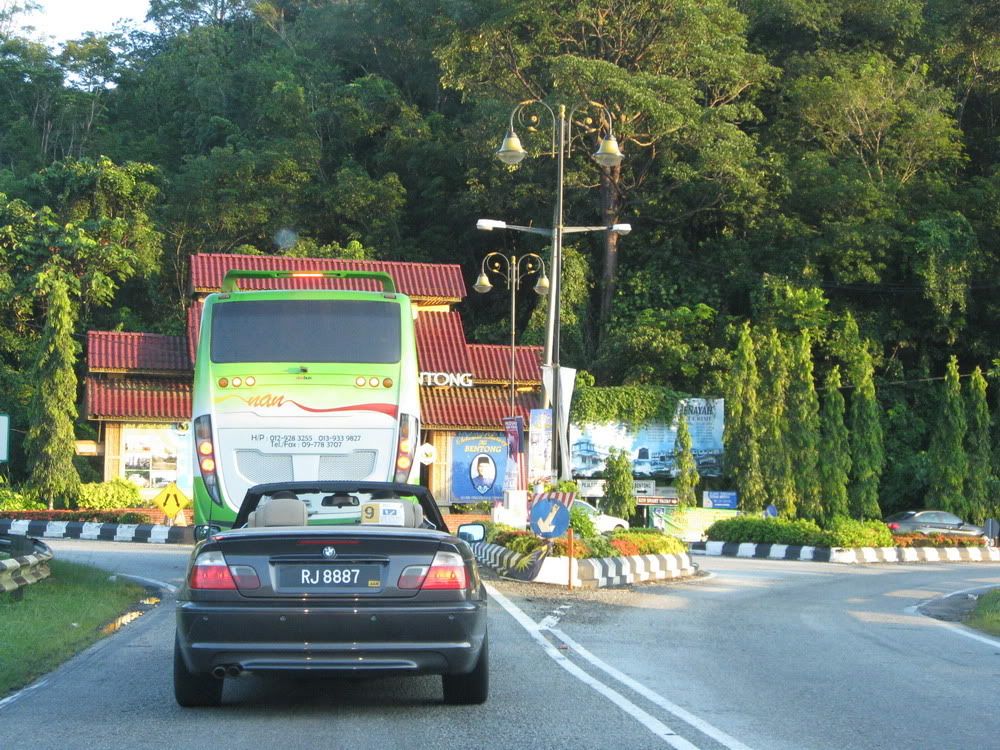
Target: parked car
(930,522)
(388,590)
(602,521)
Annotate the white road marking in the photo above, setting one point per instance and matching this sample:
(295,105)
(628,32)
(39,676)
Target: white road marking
(651,723)
(953,627)
(686,716)
(11,698)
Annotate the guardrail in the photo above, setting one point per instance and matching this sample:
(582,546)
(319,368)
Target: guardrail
(28,563)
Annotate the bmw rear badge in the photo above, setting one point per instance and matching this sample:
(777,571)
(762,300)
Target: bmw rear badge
(329,552)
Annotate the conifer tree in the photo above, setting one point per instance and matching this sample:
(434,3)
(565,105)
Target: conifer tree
(742,431)
(979,477)
(775,457)
(50,442)
(687,478)
(619,492)
(803,429)
(946,455)
(835,451)
(867,448)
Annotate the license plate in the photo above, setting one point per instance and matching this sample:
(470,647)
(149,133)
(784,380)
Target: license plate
(329,577)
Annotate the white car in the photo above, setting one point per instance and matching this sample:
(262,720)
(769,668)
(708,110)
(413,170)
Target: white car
(602,521)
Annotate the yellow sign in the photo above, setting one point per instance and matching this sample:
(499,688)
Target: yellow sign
(171,500)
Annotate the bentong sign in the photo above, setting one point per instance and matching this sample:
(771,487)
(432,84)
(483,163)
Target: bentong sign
(444,379)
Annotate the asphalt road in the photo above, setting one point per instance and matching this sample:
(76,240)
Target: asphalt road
(759,654)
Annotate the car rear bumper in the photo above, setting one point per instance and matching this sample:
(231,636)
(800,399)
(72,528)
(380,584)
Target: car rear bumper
(425,639)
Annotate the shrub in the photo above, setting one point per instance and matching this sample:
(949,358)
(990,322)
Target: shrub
(132,518)
(484,506)
(113,495)
(524,544)
(848,532)
(581,548)
(937,540)
(766,531)
(11,499)
(506,535)
(582,525)
(600,546)
(650,542)
(625,546)
(494,529)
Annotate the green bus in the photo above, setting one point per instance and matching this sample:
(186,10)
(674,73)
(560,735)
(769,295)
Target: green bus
(302,385)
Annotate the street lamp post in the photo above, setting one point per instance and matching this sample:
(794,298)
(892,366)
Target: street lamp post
(512,152)
(511,270)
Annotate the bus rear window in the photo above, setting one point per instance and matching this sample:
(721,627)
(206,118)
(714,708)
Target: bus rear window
(306,331)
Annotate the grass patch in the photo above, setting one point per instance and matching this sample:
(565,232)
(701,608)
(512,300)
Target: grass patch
(57,618)
(986,617)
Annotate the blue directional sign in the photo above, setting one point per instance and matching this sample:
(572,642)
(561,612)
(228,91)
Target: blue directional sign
(549,518)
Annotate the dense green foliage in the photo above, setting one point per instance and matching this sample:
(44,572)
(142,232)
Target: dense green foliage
(791,168)
(843,532)
(112,495)
(947,450)
(835,466)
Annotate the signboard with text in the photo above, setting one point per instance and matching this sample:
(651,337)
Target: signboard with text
(478,466)
(651,447)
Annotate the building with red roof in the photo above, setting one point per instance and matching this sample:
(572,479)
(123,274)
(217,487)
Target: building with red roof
(138,385)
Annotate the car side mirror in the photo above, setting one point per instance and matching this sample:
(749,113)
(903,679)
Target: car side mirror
(472,532)
(203,531)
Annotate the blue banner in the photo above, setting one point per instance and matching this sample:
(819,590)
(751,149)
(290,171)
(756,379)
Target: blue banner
(478,466)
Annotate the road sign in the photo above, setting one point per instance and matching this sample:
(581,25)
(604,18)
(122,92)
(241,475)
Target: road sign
(549,518)
(171,500)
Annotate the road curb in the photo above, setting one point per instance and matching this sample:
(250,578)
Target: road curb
(587,572)
(849,556)
(104,532)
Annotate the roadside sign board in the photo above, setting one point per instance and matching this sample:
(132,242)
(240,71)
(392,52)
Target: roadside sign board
(725,499)
(549,518)
(171,500)
(4,437)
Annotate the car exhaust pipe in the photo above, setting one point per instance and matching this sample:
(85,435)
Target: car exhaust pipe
(233,670)
(218,672)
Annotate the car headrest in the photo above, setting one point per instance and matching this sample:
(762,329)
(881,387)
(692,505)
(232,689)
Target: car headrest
(280,511)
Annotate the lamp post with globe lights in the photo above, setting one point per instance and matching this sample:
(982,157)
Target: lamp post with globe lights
(513,270)
(511,152)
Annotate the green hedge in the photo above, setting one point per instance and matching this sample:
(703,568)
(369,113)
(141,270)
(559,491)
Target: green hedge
(652,541)
(842,532)
(116,494)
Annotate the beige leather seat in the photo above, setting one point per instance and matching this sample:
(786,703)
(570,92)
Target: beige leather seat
(279,511)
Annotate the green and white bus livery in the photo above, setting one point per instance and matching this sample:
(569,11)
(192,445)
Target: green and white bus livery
(302,385)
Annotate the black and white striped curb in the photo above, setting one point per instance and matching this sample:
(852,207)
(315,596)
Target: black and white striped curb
(587,572)
(105,532)
(16,572)
(842,555)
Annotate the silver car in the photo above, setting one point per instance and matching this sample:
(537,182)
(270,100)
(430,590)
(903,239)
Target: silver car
(930,522)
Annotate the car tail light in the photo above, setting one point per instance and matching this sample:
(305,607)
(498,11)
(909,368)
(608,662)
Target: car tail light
(446,572)
(893,526)
(409,429)
(211,572)
(205,453)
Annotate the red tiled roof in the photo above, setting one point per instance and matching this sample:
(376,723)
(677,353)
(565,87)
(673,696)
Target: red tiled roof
(426,281)
(491,362)
(441,343)
(472,408)
(142,352)
(117,399)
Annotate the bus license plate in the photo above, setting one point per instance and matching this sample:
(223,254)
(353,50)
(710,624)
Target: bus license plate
(329,577)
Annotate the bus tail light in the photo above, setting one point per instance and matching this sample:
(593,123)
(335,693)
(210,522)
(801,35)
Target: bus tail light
(205,453)
(409,429)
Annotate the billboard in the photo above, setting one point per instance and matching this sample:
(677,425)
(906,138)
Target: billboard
(478,466)
(651,447)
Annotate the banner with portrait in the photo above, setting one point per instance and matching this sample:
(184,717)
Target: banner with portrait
(478,466)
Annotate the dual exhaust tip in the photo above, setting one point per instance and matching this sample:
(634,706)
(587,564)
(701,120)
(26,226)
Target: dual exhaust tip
(229,670)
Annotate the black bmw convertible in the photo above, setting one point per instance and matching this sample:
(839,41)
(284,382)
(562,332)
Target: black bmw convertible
(346,578)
